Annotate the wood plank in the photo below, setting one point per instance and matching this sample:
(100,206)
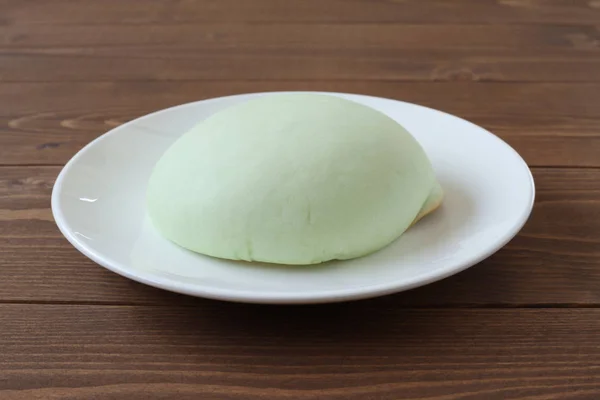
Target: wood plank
(219,351)
(549,124)
(87,12)
(135,64)
(299,51)
(303,37)
(554,261)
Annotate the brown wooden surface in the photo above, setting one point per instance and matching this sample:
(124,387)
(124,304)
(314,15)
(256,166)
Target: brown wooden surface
(524,324)
(349,351)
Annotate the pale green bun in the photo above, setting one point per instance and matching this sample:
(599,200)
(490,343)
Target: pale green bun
(292,179)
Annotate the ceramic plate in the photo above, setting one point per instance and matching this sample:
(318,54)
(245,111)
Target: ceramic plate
(98,203)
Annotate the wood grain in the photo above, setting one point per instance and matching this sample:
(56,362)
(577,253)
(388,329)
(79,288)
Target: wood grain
(293,37)
(549,124)
(407,48)
(347,351)
(554,261)
(178,51)
(91,12)
(167,63)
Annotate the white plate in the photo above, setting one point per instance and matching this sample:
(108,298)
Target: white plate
(98,204)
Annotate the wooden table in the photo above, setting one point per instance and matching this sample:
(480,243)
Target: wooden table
(524,324)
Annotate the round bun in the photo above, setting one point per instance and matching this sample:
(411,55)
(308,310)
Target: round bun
(291,179)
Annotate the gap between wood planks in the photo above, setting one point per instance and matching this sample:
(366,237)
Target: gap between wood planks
(198,299)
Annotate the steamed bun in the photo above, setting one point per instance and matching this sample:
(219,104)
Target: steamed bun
(291,179)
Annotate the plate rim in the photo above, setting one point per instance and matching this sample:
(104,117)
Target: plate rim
(248,296)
